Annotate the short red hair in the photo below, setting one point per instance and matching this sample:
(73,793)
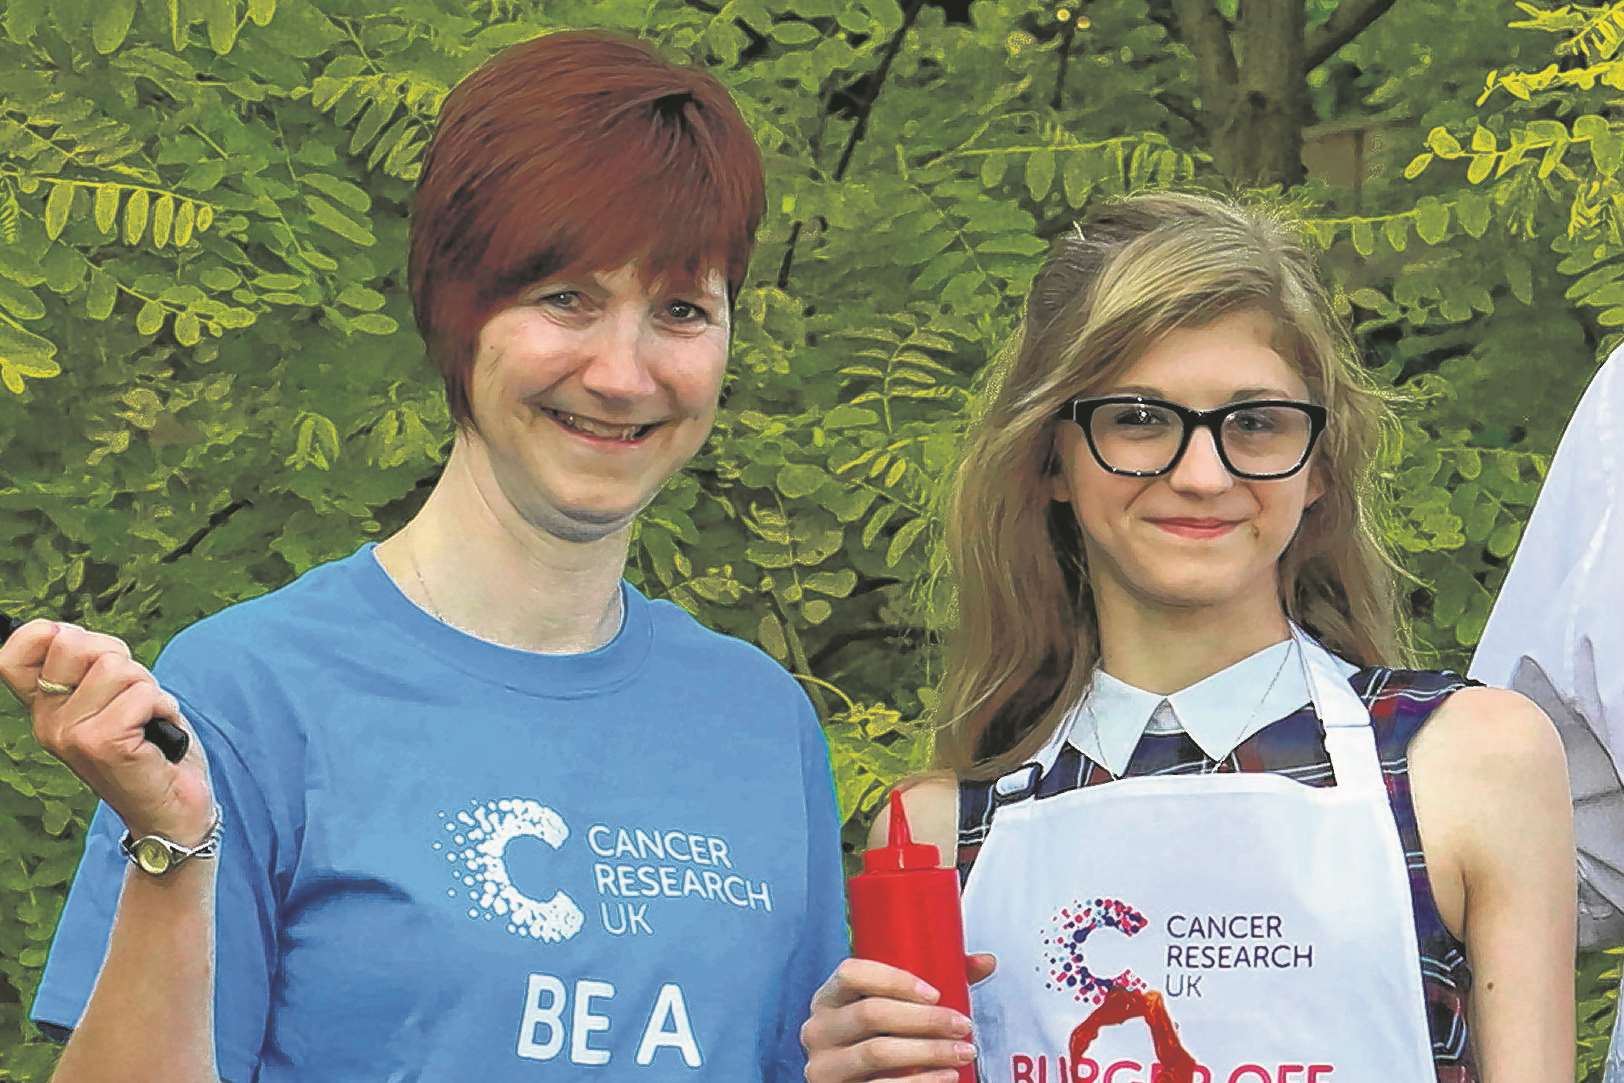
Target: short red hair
(578,151)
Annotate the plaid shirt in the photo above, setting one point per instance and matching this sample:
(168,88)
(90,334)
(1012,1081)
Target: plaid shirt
(1399,701)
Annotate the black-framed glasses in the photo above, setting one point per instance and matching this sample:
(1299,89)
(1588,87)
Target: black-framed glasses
(1260,440)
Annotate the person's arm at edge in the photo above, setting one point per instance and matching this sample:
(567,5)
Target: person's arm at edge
(1510,825)
(822,941)
(153,1002)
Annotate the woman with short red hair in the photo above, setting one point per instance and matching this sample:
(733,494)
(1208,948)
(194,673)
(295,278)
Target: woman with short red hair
(465,804)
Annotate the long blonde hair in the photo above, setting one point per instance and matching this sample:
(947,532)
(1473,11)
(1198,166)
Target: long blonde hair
(1026,638)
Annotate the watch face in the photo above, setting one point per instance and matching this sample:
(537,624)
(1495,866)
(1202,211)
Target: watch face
(152,855)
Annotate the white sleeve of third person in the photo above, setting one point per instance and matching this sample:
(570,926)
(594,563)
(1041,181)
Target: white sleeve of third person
(1556,634)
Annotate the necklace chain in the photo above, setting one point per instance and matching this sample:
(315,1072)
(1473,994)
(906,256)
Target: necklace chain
(1257,709)
(434,610)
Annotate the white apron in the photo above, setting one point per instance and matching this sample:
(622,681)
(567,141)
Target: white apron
(1273,917)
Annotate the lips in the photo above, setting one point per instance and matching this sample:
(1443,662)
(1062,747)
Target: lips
(617,432)
(1195,528)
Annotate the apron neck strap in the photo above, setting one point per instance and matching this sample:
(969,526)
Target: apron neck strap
(1349,740)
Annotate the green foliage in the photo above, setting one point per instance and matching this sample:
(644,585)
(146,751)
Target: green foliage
(210,385)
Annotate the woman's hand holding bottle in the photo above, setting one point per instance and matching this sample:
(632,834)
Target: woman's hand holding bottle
(872,1021)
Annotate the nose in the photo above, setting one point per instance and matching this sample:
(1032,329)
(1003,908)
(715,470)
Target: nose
(1200,469)
(620,355)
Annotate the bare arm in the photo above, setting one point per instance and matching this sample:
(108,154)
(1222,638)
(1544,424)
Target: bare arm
(152,1004)
(1491,791)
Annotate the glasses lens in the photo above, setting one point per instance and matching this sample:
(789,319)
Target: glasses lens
(1267,439)
(1135,436)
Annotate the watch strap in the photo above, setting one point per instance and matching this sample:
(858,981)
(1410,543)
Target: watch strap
(176,853)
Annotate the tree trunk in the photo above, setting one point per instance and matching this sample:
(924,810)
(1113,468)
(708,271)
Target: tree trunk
(1253,78)
(1259,141)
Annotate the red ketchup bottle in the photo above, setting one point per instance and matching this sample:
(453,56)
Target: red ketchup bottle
(905,913)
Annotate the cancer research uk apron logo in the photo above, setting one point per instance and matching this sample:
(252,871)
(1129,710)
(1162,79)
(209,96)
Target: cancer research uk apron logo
(1199,950)
(633,870)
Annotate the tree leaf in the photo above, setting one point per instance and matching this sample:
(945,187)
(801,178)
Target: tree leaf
(372,122)
(135,216)
(1443,144)
(21,302)
(107,207)
(1076,179)
(361,299)
(796,480)
(1039,174)
(374,323)
(770,637)
(1432,221)
(1473,211)
(100,295)
(185,222)
(188,330)
(992,169)
(163,217)
(902,540)
(111,24)
(794,32)
(57,206)
(1397,232)
(340,191)
(328,216)
(1364,237)
(1520,278)
(150,319)
(221,18)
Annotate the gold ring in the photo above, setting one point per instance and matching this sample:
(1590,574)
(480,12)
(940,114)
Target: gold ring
(51,688)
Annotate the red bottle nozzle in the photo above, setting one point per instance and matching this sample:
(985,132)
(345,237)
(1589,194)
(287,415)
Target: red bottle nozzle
(901,851)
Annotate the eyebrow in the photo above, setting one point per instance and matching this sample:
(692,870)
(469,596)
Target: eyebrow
(1240,395)
(709,286)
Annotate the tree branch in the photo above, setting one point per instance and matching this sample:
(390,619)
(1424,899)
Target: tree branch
(1185,111)
(1350,19)
(837,643)
(894,46)
(1066,37)
(217,520)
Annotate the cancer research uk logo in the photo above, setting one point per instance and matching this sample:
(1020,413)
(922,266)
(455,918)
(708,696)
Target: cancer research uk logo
(633,868)
(1193,953)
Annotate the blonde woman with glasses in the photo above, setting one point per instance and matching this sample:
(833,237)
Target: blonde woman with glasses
(1206,832)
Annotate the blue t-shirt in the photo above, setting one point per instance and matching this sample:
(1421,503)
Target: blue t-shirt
(448,860)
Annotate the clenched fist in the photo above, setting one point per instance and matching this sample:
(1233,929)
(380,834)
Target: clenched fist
(90,703)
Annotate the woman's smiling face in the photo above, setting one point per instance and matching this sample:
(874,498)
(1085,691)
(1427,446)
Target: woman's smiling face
(590,391)
(1196,536)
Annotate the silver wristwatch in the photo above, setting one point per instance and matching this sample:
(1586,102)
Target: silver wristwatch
(156,855)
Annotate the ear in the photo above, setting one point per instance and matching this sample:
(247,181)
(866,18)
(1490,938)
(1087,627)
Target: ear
(1058,481)
(1316,486)
(1055,474)
(1059,491)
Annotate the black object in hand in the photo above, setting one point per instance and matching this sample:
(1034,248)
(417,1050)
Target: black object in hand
(171,740)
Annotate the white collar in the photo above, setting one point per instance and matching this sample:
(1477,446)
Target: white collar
(1218,712)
